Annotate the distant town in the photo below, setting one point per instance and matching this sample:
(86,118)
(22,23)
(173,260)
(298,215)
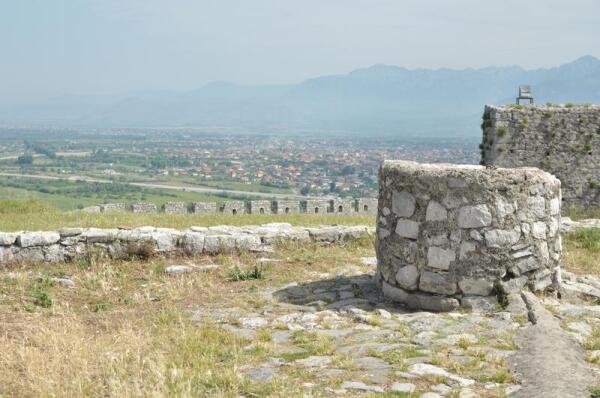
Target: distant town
(79,163)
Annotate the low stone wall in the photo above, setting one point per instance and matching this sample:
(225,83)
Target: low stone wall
(143,208)
(450,235)
(112,207)
(175,207)
(70,243)
(204,207)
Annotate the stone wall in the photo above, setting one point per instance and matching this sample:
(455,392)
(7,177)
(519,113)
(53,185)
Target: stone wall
(342,206)
(143,208)
(366,205)
(348,206)
(70,243)
(203,207)
(175,207)
(450,234)
(286,206)
(233,207)
(259,207)
(561,139)
(112,207)
(316,206)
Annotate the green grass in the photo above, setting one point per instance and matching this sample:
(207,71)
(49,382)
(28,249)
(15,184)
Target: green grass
(31,215)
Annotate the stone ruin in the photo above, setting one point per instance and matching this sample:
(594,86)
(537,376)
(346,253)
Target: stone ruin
(69,244)
(450,236)
(285,206)
(143,208)
(175,207)
(203,207)
(233,207)
(342,206)
(560,139)
(316,206)
(259,207)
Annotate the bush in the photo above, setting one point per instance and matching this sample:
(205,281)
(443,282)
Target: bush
(42,299)
(238,274)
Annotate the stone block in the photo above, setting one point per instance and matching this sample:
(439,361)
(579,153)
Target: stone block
(407,229)
(8,238)
(403,204)
(432,282)
(193,242)
(407,277)
(29,239)
(502,238)
(436,212)
(476,286)
(440,258)
(474,216)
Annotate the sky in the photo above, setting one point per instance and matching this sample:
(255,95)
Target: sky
(52,48)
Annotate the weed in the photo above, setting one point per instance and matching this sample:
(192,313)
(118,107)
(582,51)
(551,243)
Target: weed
(42,299)
(238,274)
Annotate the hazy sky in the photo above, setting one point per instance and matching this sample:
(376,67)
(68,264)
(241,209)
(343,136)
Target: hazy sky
(56,47)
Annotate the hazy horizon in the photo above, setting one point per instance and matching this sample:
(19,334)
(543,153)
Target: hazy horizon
(89,47)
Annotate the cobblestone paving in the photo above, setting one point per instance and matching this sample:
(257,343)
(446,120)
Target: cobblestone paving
(335,335)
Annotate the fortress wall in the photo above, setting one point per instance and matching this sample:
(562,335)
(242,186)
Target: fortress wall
(260,207)
(71,243)
(175,207)
(143,208)
(316,206)
(233,207)
(343,206)
(450,235)
(203,207)
(349,206)
(286,206)
(563,140)
(366,205)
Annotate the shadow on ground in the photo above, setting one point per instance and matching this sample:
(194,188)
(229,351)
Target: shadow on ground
(339,293)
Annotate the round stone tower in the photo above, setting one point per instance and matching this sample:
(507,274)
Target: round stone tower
(450,235)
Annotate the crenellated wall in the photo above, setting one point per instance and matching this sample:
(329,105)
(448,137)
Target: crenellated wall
(310,206)
(563,140)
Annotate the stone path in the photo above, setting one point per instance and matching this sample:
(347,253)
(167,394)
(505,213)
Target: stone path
(347,340)
(344,339)
(550,363)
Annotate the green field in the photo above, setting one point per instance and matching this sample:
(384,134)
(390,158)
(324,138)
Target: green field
(68,195)
(32,215)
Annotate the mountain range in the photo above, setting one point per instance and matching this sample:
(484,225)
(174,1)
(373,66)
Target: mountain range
(381,100)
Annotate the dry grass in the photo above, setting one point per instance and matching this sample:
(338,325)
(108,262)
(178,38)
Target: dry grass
(125,329)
